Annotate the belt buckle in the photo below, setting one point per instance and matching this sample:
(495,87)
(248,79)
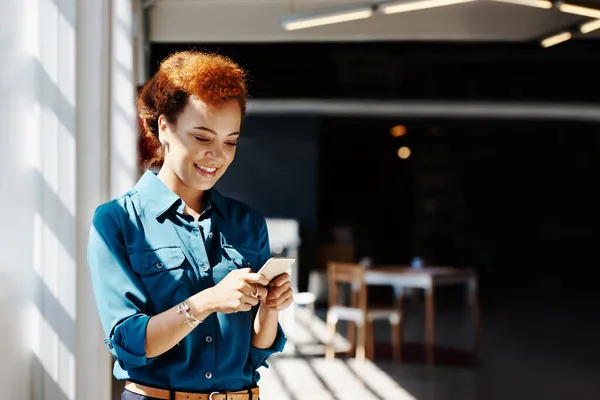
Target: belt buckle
(210,396)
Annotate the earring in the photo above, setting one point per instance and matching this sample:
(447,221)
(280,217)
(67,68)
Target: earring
(163,142)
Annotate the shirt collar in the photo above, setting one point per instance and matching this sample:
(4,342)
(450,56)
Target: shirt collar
(217,200)
(157,198)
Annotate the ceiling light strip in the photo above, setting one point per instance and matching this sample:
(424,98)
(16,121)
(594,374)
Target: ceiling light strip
(590,26)
(579,10)
(529,3)
(399,7)
(333,17)
(556,39)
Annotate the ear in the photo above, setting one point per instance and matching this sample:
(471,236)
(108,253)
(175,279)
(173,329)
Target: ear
(163,129)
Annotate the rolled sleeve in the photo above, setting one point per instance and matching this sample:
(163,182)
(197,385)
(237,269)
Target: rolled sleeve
(120,295)
(131,334)
(258,357)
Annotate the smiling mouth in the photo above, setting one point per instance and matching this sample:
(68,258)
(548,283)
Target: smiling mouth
(207,171)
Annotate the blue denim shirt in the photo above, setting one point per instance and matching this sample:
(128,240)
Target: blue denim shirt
(147,256)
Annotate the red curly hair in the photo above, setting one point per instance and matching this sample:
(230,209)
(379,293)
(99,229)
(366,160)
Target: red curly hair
(213,78)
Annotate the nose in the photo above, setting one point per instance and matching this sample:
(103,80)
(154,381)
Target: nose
(214,152)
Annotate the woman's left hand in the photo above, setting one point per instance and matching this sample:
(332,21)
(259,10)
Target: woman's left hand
(280,294)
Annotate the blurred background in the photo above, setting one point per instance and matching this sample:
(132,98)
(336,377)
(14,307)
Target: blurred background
(448,150)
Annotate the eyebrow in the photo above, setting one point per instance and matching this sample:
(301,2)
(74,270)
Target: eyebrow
(203,128)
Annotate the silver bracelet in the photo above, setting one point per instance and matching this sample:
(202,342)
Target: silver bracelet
(191,321)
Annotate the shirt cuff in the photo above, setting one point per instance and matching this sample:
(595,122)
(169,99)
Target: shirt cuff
(128,342)
(258,357)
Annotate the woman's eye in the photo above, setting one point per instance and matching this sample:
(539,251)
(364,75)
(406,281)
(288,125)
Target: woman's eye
(231,144)
(201,139)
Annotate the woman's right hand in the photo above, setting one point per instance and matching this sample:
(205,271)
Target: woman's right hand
(239,291)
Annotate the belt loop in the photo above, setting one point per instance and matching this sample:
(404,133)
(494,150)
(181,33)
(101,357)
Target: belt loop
(172,394)
(249,394)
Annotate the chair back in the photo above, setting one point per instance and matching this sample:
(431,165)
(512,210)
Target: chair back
(347,274)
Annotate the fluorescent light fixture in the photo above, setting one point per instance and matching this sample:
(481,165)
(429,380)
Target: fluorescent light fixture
(326,18)
(556,39)
(579,10)
(405,6)
(590,26)
(545,4)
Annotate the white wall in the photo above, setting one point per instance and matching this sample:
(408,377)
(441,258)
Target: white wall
(57,113)
(93,183)
(16,203)
(123,123)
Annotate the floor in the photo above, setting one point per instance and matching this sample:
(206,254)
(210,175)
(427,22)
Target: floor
(532,347)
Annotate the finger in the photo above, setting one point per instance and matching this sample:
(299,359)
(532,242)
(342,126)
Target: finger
(281,306)
(256,279)
(278,291)
(280,299)
(246,288)
(259,292)
(250,300)
(242,271)
(272,303)
(275,294)
(281,279)
(262,293)
(285,304)
(245,308)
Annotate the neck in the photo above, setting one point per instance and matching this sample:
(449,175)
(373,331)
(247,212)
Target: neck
(192,198)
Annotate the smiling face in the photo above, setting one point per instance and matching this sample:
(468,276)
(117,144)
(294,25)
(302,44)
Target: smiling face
(200,145)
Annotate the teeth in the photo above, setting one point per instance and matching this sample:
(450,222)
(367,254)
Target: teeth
(207,169)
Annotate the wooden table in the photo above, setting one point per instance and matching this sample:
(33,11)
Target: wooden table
(427,278)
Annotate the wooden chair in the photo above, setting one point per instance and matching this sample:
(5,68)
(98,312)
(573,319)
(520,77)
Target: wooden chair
(357,312)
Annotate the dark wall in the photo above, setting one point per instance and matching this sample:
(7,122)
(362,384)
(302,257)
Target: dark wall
(524,204)
(515,200)
(363,184)
(275,172)
(420,70)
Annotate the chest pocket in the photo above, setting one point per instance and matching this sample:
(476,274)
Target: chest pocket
(235,258)
(164,273)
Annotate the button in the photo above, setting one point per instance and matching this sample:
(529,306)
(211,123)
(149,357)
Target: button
(248,264)
(205,268)
(159,264)
(208,339)
(110,345)
(208,375)
(210,235)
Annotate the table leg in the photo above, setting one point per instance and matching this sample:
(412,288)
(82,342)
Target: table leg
(430,324)
(399,297)
(476,313)
(397,329)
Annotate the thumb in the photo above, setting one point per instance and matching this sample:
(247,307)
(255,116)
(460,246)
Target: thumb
(257,279)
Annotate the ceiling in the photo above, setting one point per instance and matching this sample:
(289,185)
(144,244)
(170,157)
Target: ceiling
(223,21)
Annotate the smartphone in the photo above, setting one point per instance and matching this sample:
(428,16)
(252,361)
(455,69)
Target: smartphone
(276,266)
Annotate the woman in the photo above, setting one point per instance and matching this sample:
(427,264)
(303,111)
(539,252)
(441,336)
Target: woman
(173,261)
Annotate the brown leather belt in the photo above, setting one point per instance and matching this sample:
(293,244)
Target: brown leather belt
(166,395)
